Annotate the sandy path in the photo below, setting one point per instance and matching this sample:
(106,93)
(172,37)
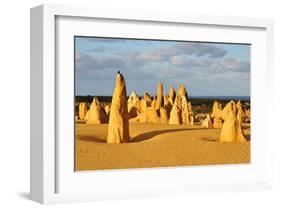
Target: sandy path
(155,145)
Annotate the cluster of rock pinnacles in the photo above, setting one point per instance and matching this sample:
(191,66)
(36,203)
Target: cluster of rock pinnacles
(173,109)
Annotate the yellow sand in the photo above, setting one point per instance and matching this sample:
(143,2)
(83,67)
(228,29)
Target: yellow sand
(156,145)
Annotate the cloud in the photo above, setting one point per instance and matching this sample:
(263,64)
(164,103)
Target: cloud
(182,49)
(199,50)
(98,49)
(231,64)
(219,65)
(87,62)
(106,40)
(187,61)
(90,67)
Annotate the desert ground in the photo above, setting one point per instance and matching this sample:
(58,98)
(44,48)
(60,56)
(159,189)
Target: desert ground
(156,145)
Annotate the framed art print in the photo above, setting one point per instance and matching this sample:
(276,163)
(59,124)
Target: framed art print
(129,104)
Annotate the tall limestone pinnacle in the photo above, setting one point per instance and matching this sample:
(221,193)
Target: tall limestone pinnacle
(240,112)
(118,127)
(172,95)
(216,115)
(231,129)
(82,110)
(159,101)
(175,115)
(182,91)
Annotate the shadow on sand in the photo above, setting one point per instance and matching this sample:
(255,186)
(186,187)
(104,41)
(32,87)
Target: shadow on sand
(140,137)
(92,139)
(210,139)
(151,134)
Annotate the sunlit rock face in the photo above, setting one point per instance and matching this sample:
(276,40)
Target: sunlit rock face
(182,91)
(186,112)
(148,116)
(96,113)
(159,100)
(181,111)
(207,122)
(118,127)
(240,112)
(175,115)
(82,110)
(231,129)
(172,95)
(216,115)
(134,105)
(164,116)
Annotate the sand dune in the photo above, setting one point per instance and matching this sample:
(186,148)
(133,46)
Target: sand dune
(156,145)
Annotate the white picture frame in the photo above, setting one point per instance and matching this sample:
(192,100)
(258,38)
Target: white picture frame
(46,159)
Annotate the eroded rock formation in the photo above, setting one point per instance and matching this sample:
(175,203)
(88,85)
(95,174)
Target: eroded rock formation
(231,129)
(207,122)
(181,111)
(240,112)
(118,127)
(159,100)
(186,111)
(216,115)
(182,91)
(172,95)
(96,113)
(164,116)
(147,97)
(133,105)
(82,110)
(175,115)
(148,116)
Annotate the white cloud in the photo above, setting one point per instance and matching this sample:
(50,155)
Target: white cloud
(183,60)
(230,64)
(219,65)
(98,49)
(87,62)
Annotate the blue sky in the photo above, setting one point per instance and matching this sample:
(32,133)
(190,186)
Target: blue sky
(206,69)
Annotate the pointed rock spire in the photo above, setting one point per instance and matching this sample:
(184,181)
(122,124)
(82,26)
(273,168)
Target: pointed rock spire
(118,127)
(185,111)
(216,114)
(82,110)
(231,129)
(175,115)
(240,112)
(182,91)
(159,101)
(96,114)
(172,95)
